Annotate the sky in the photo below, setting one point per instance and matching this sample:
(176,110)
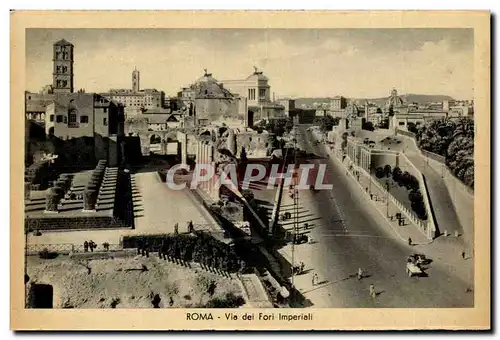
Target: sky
(356,63)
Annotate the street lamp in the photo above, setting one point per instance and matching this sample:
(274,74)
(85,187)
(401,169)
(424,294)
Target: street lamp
(387,196)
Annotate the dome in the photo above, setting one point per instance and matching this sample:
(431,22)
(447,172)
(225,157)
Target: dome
(257,75)
(394,100)
(208,87)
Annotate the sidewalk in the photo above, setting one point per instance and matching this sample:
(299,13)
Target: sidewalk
(379,200)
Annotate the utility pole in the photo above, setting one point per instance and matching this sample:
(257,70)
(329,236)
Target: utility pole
(295,207)
(370,177)
(387,197)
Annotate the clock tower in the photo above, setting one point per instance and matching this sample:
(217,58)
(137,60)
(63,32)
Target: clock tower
(62,74)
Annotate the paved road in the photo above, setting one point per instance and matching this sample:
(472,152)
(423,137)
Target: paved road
(350,235)
(444,210)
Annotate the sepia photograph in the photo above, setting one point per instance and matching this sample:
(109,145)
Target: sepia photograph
(272,172)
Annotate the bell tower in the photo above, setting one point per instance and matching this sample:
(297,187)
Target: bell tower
(62,74)
(135,81)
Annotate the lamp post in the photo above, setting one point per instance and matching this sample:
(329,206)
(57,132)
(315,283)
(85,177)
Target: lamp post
(387,196)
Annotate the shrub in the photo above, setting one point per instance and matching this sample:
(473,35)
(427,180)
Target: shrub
(89,199)
(379,172)
(415,196)
(229,301)
(387,170)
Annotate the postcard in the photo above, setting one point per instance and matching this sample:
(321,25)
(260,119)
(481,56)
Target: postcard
(250,170)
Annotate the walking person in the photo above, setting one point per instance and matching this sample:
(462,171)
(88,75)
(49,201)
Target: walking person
(373,294)
(463,254)
(85,246)
(139,247)
(314,280)
(360,274)
(410,242)
(91,245)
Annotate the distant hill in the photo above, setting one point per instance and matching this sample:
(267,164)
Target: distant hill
(408,98)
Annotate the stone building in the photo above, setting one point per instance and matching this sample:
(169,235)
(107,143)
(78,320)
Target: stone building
(256,89)
(62,76)
(74,116)
(135,100)
(209,102)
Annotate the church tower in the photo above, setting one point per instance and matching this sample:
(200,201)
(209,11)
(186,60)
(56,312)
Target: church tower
(135,81)
(62,74)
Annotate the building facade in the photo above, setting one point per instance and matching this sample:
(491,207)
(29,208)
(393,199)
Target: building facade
(135,100)
(255,88)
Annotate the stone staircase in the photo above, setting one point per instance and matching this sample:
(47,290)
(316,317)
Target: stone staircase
(107,191)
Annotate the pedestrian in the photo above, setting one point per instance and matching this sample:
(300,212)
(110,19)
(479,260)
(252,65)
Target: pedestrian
(302,266)
(176,228)
(372,291)
(463,255)
(360,273)
(91,245)
(314,280)
(85,246)
(410,241)
(146,249)
(139,247)
(371,196)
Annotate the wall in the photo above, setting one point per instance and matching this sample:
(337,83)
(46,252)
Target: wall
(84,105)
(381,160)
(213,109)
(256,145)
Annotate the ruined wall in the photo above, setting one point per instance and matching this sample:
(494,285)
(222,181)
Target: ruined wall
(256,145)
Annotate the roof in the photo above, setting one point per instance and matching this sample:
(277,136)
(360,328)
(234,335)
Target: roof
(63,42)
(37,106)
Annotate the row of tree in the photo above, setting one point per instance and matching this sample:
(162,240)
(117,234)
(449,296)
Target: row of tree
(201,248)
(326,123)
(454,140)
(410,182)
(277,126)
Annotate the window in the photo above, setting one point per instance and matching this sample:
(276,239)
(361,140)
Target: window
(262,93)
(72,117)
(51,118)
(251,94)
(105,121)
(84,119)
(105,109)
(401,123)
(59,119)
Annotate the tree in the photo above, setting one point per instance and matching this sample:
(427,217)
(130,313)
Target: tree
(415,196)
(326,123)
(379,172)
(387,171)
(368,126)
